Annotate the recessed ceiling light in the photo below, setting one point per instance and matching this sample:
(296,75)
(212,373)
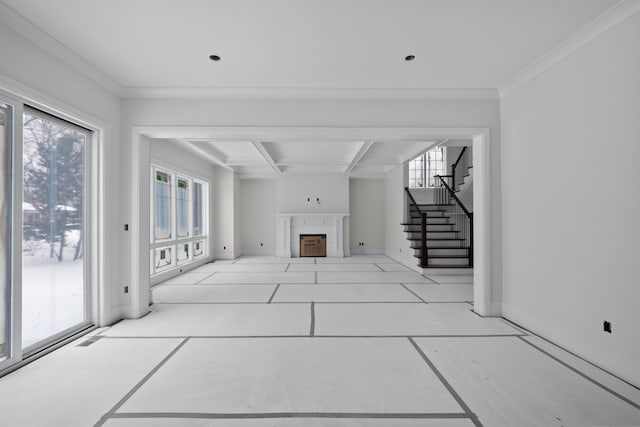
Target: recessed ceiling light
(409,58)
(214,57)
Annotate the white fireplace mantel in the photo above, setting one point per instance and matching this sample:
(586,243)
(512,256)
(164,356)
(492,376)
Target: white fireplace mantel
(291,225)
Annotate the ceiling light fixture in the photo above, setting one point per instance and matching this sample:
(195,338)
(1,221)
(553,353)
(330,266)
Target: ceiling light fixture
(409,58)
(214,57)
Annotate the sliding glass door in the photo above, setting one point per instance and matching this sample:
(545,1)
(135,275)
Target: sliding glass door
(54,285)
(5,221)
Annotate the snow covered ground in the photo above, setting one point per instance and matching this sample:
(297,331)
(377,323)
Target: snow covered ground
(52,291)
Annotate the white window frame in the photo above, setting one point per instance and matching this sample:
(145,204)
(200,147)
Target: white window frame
(174,241)
(426,169)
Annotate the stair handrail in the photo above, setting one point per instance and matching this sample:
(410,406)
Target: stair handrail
(454,166)
(469,215)
(413,201)
(452,194)
(423,229)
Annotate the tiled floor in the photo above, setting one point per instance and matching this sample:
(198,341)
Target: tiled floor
(359,341)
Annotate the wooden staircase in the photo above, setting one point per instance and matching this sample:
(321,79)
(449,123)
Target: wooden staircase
(445,247)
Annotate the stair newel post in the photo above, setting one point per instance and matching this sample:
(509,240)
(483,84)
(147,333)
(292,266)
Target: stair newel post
(423,240)
(453,176)
(471,239)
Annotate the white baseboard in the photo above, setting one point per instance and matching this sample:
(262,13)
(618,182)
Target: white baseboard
(618,366)
(365,252)
(177,271)
(118,313)
(259,252)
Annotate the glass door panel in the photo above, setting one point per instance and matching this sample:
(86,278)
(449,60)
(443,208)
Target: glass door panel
(54,292)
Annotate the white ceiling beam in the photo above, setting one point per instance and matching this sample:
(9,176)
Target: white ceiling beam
(364,147)
(200,150)
(260,148)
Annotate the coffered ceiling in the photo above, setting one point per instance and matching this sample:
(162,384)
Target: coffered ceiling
(299,155)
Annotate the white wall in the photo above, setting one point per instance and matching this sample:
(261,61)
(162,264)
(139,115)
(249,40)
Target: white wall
(571,201)
(224,210)
(298,193)
(257,216)
(396,244)
(40,71)
(367,219)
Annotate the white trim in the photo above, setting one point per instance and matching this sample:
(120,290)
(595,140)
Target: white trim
(482,223)
(589,32)
(140,208)
(257,252)
(308,93)
(366,252)
(181,269)
(34,34)
(623,368)
(141,162)
(17,95)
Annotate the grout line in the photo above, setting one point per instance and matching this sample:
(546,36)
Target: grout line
(416,295)
(530,333)
(513,325)
(583,375)
(443,380)
(287,269)
(315,336)
(431,280)
(274,293)
(272,415)
(381,269)
(480,316)
(313,319)
(205,278)
(137,387)
(315,277)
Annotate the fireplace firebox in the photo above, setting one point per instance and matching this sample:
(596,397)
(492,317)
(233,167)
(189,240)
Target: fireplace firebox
(313,245)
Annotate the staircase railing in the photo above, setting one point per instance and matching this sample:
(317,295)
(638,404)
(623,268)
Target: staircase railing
(459,168)
(424,256)
(444,195)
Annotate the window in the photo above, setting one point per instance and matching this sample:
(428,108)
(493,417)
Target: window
(162,206)
(423,169)
(178,219)
(183,207)
(197,209)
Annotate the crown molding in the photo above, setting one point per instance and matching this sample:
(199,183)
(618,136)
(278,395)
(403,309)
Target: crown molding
(591,31)
(308,93)
(35,35)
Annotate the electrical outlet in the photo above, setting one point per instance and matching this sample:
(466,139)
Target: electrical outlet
(126,289)
(261,244)
(224,248)
(607,326)
(126,227)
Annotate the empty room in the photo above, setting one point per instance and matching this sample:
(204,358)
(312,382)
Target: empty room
(357,213)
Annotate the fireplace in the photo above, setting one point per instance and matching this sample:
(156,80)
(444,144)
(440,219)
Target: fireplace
(293,225)
(313,245)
